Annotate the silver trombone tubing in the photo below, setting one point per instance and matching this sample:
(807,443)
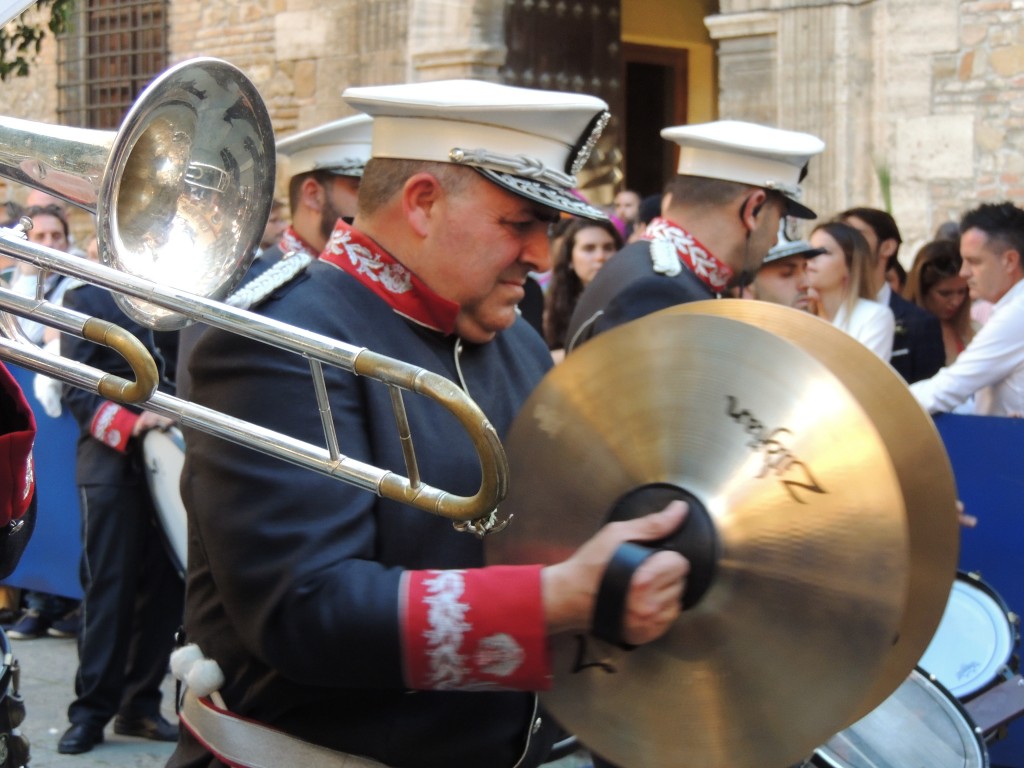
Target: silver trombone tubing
(397,375)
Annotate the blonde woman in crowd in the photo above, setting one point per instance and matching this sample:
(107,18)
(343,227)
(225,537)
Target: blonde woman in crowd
(840,284)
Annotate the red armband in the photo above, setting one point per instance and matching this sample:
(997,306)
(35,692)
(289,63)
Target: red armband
(476,629)
(112,425)
(17,435)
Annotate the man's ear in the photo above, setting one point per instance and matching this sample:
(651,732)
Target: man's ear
(312,194)
(1012,260)
(420,195)
(751,207)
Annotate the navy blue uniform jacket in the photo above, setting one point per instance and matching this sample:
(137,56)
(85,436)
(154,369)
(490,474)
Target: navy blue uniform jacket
(627,288)
(293,583)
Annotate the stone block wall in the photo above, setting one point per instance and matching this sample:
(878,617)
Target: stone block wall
(983,81)
(924,93)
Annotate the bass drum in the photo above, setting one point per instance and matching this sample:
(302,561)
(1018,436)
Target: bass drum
(976,642)
(921,724)
(164,454)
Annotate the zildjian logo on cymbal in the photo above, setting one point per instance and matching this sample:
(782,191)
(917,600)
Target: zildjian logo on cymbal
(794,474)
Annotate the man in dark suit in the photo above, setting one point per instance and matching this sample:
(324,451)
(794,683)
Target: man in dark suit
(917,350)
(132,595)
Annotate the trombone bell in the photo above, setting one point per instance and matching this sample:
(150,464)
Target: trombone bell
(181,192)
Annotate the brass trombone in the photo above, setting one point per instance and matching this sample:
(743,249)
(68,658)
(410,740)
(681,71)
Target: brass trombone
(190,174)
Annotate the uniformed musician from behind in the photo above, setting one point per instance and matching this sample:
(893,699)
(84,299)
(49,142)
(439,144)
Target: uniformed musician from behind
(354,623)
(721,214)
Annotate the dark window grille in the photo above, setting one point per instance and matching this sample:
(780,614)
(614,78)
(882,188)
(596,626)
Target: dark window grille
(113,51)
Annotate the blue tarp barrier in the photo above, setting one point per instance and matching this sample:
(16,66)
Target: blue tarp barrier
(50,562)
(987,454)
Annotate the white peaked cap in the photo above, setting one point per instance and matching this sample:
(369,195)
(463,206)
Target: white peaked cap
(341,147)
(786,248)
(748,153)
(531,142)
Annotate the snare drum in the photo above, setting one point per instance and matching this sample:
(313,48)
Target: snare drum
(975,641)
(921,724)
(165,456)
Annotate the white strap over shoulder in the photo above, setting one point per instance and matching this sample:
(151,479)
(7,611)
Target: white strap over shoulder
(237,741)
(244,743)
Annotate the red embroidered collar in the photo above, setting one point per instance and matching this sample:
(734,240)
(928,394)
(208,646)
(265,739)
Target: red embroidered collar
(292,241)
(375,268)
(715,274)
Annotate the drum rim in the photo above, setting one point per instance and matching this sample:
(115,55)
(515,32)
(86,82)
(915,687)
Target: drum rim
(969,585)
(161,507)
(948,698)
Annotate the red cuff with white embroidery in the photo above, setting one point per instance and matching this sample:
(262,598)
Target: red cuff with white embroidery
(475,629)
(18,426)
(112,425)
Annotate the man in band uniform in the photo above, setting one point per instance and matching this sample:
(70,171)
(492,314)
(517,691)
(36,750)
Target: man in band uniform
(721,213)
(354,623)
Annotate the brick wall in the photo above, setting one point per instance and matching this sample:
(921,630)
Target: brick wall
(300,54)
(31,98)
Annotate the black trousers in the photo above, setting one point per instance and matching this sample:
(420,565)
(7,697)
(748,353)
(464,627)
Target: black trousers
(132,605)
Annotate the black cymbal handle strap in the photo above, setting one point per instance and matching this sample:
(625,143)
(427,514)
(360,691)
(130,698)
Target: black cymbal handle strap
(610,606)
(696,540)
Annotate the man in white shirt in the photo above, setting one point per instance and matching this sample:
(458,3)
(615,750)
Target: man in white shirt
(991,368)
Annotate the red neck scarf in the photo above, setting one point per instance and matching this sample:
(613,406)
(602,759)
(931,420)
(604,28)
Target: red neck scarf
(715,274)
(292,241)
(378,270)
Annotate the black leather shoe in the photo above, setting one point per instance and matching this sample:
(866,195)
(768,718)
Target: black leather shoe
(80,738)
(152,728)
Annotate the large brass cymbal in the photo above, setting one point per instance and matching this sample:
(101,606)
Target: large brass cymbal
(810,589)
(918,456)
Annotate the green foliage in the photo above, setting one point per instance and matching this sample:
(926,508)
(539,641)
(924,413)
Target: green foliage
(20,40)
(885,184)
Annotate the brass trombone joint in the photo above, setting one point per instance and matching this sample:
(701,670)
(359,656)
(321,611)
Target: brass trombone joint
(131,349)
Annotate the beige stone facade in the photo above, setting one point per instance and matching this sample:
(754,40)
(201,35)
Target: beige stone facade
(919,101)
(924,93)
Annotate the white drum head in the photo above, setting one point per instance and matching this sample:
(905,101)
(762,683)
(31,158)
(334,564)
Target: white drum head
(921,724)
(165,455)
(974,640)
